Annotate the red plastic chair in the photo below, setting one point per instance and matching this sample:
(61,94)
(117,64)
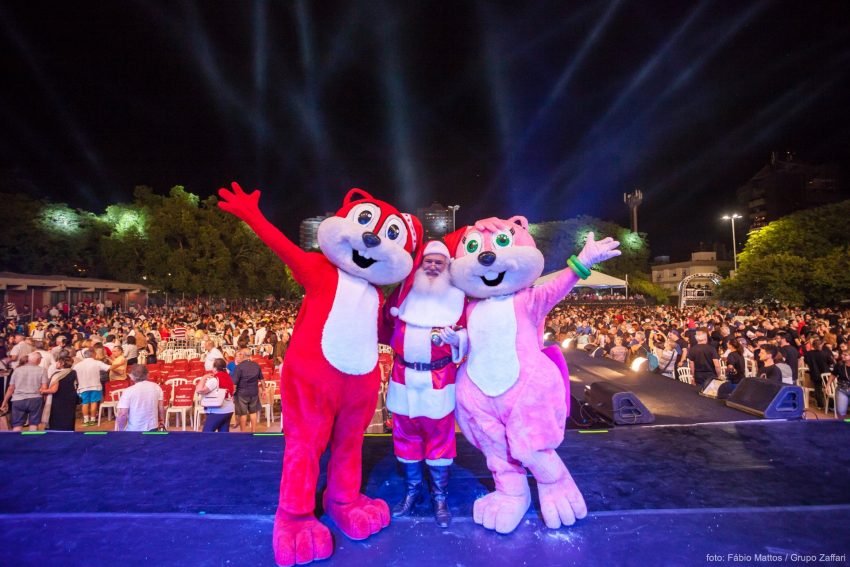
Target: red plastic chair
(182,404)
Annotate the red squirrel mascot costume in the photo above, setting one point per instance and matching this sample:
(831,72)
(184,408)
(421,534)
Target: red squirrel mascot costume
(331,377)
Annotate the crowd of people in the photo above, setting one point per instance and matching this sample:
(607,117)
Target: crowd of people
(717,342)
(63,356)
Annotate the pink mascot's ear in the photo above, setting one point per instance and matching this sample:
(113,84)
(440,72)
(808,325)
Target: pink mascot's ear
(452,240)
(519,220)
(349,197)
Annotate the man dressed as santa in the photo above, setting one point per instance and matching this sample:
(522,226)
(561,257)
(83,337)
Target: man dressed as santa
(425,316)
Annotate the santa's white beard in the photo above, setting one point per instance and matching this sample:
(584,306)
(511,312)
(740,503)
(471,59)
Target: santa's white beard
(431,287)
(432,302)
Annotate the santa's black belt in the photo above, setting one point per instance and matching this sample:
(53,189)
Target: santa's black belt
(425,366)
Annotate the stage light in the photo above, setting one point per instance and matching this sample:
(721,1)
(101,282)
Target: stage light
(637,363)
(567,343)
(547,336)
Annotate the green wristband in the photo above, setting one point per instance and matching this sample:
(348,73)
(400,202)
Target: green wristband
(580,269)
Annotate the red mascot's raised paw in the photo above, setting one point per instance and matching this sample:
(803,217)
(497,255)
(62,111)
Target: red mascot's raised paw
(331,378)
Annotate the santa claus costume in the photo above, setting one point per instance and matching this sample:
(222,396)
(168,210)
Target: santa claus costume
(426,319)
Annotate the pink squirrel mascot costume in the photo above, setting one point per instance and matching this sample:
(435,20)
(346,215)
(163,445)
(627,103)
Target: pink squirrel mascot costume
(511,393)
(331,377)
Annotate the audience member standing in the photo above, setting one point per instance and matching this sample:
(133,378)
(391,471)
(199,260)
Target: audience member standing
(246,379)
(703,359)
(23,391)
(140,407)
(61,395)
(89,385)
(218,418)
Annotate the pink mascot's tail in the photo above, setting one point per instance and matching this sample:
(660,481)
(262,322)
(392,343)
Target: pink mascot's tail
(554,353)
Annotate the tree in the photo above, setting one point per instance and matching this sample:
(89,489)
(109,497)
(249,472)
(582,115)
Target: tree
(558,240)
(802,258)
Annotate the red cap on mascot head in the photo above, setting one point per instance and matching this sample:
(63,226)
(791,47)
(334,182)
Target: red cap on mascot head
(452,240)
(414,227)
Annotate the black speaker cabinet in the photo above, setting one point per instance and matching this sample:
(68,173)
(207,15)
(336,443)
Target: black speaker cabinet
(617,404)
(767,399)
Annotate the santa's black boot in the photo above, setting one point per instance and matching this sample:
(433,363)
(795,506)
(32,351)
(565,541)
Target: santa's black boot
(413,494)
(439,492)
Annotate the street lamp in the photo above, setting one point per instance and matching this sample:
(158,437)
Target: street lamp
(454,209)
(732,218)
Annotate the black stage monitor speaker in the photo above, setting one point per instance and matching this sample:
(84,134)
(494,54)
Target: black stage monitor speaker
(617,404)
(767,399)
(594,350)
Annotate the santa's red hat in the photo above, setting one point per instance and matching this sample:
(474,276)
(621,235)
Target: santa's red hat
(432,247)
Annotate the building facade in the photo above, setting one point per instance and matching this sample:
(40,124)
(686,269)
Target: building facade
(700,275)
(308,234)
(436,221)
(786,185)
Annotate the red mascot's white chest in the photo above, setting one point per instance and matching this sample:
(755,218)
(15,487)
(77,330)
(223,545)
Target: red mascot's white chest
(350,334)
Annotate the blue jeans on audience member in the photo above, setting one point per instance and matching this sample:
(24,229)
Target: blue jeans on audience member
(842,395)
(217,422)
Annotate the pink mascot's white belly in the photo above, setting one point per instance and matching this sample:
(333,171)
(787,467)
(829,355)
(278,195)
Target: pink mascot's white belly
(350,335)
(493,362)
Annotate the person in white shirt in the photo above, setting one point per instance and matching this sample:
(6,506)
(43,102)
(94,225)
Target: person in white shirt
(212,354)
(88,384)
(141,405)
(260,335)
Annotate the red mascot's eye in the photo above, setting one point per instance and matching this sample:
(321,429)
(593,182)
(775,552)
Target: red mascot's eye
(364,217)
(393,232)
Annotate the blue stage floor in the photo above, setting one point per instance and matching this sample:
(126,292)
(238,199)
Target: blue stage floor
(659,495)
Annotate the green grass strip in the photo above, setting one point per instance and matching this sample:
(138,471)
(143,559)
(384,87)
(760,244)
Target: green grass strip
(154,432)
(593,431)
(377,434)
(33,432)
(94,433)
(268,434)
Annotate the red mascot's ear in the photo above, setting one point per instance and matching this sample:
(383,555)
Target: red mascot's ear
(416,234)
(452,240)
(349,197)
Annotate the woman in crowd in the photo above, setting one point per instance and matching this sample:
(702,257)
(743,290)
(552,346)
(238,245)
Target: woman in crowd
(667,359)
(151,349)
(60,411)
(218,418)
(131,352)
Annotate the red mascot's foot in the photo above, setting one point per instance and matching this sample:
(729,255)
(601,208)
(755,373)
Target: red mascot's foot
(359,519)
(300,539)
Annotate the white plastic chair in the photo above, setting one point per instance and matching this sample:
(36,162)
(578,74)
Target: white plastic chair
(110,405)
(684,374)
(801,381)
(830,392)
(176,381)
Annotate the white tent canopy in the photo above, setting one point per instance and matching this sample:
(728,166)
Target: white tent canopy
(597,280)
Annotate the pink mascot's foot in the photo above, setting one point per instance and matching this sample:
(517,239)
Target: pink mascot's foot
(561,502)
(500,511)
(300,539)
(359,519)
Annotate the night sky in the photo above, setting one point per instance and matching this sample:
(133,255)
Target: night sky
(547,109)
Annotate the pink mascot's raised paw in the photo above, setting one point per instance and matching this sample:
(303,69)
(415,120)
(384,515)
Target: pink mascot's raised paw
(511,393)
(331,378)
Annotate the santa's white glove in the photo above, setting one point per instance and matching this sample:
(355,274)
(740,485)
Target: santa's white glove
(596,251)
(450,336)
